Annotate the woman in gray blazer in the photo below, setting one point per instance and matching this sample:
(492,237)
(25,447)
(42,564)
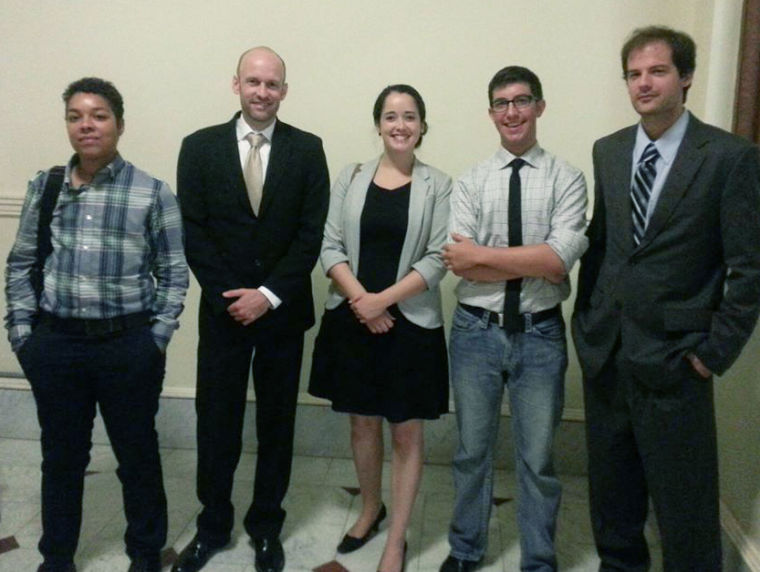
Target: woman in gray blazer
(381,352)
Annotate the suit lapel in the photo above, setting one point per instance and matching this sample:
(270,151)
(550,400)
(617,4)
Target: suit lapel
(277,167)
(230,159)
(685,166)
(618,195)
(417,196)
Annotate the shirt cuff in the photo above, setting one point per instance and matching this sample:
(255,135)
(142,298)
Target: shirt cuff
(274,301)
(162,334)
(18,335)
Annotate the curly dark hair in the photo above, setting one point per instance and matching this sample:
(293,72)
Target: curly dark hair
(100,87)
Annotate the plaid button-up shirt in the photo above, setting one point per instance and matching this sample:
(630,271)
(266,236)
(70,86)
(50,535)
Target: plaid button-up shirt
(553,208)
(117,249)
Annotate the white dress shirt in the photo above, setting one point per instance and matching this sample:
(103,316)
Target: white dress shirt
(667,146)
(553,212)
(243,129)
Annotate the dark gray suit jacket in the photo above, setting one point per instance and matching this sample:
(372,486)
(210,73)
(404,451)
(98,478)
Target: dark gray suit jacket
(693,283)
(228,247)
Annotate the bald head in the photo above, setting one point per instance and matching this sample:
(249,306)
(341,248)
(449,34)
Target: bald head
(260,83)
(257,52)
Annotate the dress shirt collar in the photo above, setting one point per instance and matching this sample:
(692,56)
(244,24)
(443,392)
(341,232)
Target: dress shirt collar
(531,157)
(108,172)
(242,129)
(667,144)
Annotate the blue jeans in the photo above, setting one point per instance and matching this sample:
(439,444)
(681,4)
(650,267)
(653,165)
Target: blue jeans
(532,364)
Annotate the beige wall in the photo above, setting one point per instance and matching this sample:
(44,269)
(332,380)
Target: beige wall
(173,62)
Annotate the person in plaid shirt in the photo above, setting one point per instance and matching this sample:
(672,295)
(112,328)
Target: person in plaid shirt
(114,285)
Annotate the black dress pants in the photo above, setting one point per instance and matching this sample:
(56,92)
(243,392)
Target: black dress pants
(658,443)
(122,374)
(224,362)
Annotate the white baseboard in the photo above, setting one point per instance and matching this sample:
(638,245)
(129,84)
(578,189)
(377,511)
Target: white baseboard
(748,548)
(569,414)
(14,383)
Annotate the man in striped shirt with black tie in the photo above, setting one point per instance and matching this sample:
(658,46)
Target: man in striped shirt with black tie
(517,222)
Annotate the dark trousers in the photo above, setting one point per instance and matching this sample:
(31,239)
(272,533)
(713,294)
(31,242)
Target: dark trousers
(121,373)
(224,362)
(661,444)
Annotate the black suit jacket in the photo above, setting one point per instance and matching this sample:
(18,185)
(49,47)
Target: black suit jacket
(693,283)
(228,247)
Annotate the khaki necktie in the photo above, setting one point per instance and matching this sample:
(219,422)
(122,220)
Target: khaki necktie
(253,172)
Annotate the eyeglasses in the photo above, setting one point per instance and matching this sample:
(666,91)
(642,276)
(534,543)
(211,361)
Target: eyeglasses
(520,102)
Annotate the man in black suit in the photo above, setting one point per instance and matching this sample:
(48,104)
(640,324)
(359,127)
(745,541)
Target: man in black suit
(252,250)
(669,292)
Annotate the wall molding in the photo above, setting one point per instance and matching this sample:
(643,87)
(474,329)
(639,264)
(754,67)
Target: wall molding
(10,207)
(10,380)
(748,548)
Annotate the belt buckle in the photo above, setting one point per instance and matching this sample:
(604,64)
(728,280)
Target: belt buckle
(500,317)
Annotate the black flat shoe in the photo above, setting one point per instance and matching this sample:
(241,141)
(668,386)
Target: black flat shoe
(351,543)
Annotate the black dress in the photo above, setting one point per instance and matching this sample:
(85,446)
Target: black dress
(399,375)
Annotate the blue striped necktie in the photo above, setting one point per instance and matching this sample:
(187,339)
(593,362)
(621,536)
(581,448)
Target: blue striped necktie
(641,190)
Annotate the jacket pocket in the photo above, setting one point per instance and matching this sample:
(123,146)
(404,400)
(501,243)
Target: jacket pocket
(686,319)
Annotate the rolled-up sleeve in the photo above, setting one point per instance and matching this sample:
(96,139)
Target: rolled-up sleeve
(431,266)
(463,215)
(567,236)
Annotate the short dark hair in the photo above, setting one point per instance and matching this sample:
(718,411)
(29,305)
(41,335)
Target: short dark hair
(682,47)
(377,110)
(515,74)
(100,87)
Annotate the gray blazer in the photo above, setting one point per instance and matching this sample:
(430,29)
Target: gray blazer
(693,283)
(425,234)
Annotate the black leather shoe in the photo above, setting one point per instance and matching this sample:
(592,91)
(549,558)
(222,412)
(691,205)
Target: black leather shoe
(195,555)
(452,564)
(145,564)
(55,568)
(269,554)
(351,543)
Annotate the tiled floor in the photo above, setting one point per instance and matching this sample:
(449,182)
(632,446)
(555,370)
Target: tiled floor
(320,508)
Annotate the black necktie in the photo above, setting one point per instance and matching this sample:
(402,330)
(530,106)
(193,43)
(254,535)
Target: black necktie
(512,322)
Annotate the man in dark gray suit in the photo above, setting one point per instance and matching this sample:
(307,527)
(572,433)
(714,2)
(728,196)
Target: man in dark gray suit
(669,292)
